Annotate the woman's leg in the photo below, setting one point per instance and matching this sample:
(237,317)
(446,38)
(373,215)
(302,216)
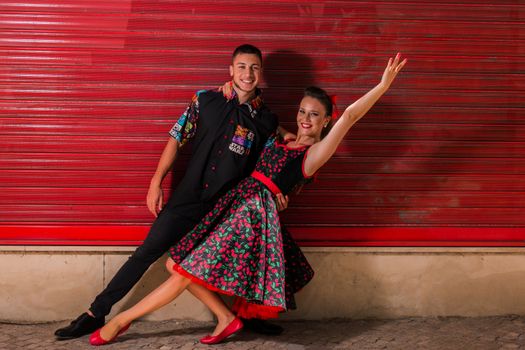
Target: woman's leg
(162,295)
(211,300)
(215,304)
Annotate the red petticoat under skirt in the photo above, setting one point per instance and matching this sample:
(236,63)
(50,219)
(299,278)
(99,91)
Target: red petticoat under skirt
(241,306)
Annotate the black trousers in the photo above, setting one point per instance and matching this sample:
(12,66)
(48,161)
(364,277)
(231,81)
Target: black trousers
(167,229)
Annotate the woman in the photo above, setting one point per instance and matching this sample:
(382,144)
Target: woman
(237,248)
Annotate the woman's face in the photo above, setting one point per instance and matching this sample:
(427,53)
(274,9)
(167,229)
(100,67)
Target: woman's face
(311,117)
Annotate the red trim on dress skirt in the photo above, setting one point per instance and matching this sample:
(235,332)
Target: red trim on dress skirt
(241,306)
(197,280)
(266,181)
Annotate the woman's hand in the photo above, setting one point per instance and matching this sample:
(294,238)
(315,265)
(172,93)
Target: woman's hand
(392,68)
(281,201)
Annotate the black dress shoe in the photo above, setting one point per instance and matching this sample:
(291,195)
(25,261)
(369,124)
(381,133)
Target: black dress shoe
(261,326)
(84,324)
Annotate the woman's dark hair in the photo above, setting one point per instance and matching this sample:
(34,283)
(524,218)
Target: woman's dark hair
(247,48)
(320,95)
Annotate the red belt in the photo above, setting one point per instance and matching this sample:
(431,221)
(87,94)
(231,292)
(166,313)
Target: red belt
(266,181)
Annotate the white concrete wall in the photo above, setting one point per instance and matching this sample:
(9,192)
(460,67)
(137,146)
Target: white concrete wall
(57,283)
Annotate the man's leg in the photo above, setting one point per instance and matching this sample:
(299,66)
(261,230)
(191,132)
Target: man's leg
(167,229)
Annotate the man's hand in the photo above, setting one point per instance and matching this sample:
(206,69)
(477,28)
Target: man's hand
(289,136)
(281,201)
(154,199)
(227,90)
(285,134)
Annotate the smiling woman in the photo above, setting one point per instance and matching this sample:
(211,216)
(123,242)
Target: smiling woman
(311,110)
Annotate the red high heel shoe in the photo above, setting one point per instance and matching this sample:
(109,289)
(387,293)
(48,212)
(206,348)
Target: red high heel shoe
(95,339)
(234,326)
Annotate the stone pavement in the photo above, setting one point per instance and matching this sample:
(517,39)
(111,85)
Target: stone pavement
(505,332)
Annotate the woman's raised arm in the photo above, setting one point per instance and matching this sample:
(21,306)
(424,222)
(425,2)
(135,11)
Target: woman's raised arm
(320,152)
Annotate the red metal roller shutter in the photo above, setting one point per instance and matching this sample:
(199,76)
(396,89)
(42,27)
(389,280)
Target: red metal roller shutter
(89,89)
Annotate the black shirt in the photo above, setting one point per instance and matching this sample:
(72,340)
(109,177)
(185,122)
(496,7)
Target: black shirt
(227,138)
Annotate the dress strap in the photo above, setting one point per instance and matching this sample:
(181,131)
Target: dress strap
(266,181)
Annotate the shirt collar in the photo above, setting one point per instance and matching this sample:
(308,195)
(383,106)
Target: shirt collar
(253,105)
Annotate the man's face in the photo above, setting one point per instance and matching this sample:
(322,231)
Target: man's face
(246,72)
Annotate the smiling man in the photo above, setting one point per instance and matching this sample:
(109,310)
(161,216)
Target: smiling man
(227,136)
(245,72)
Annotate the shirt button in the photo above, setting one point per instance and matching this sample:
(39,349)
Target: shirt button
(213,168)
(205,185)
(225,137)
(231,121)
(220,151)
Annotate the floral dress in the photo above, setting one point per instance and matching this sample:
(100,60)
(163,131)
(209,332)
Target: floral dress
(239,249)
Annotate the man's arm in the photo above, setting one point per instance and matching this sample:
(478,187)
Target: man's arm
(155,198)
(183,131)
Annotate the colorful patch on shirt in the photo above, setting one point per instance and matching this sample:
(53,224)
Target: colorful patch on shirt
(185,127)
(242,141)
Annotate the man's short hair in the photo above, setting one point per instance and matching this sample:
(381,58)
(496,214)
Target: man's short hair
(247,48)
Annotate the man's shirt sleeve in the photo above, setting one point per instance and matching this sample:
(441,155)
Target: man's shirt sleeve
(186,126)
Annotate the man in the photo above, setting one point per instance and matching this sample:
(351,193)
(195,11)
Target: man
(227,136)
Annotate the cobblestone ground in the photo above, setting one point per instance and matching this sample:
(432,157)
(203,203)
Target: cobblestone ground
(507,332)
